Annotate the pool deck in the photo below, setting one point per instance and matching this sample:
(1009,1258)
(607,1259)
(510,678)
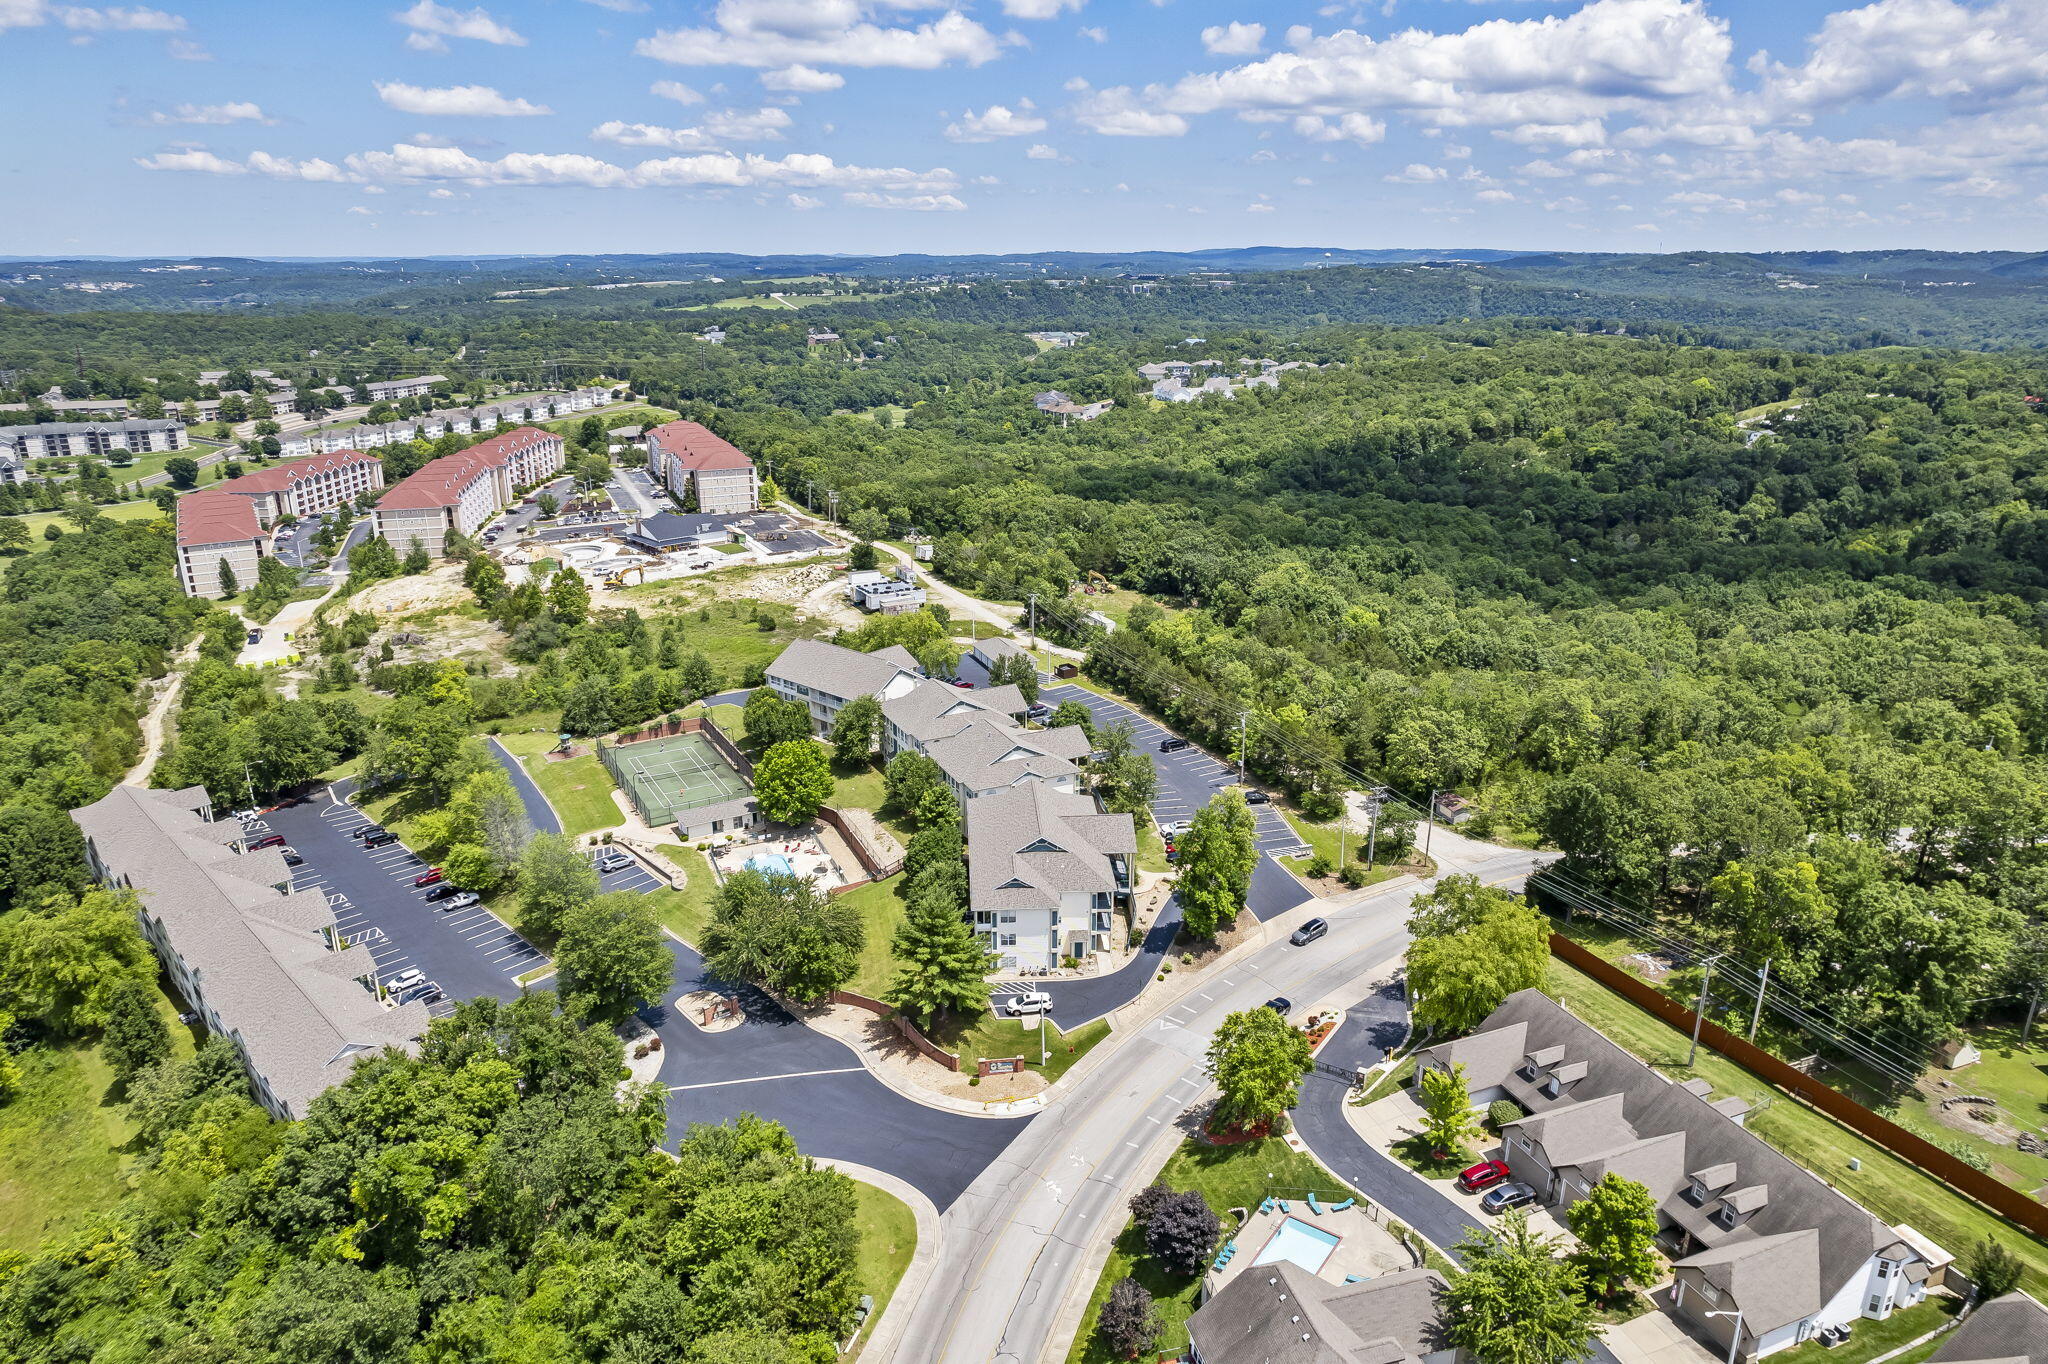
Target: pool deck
(1364,1247)
(806,857)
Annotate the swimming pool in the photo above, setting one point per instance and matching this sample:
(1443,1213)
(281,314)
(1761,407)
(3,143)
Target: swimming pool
(774,864)
(1301,1243)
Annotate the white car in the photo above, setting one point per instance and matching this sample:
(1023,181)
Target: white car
(616,861)
(405,980)
(1176,828)
(1030,1002)
(462,901)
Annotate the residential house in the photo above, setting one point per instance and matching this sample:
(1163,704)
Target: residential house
(714,336)
(1282,1314)
(1165,369)
(265,966)
(301,487)
(823,677)
(1765,1253)
(216,528)
(818,336)
(1047,872)
(97,440)
(2008,1330)
(460,492)
(1054,403)
(692,461)
(1058,340)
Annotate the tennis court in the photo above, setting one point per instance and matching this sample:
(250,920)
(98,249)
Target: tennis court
(667,775)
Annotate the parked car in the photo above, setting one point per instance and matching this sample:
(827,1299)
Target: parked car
(444,891)
(1176,827)
(1309,932)
(246,815)
(405,980)
(379,838)
(463,900)
(432,876)
(267,841)
(415,991)
(610,861)
(433,994)
(1172,745)
(963,684)
(1484,1175)
(1038,710)
(1280,1004)
(1507,1196)
(255,636)
(1030,1002)
(1254,796)
(291,856)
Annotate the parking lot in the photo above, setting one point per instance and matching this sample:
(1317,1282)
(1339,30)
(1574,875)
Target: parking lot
(1187,779)
(467,952)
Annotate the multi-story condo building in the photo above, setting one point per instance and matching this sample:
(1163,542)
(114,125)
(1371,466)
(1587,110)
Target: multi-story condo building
(1764,1253)
(975,739)
(76,440)
(301,487)
(216,528)
(1047,872)
(391,390)
(461,421)
(265,966)
(690,460)
(461,491)
(1277,1312)
(824,677)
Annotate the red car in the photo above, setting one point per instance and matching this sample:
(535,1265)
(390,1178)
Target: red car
(1484,1175)
(268,841)
(431,876)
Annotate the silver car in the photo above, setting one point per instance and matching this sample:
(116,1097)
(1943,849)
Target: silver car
(1507,1196)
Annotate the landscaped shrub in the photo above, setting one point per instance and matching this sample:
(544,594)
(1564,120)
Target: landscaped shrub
(1501,1112)
(1319,866)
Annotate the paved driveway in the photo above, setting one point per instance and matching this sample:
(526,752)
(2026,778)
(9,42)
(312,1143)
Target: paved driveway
(470,952)
(1187,779)
(1075,1002)
(815,1086)
(540,816)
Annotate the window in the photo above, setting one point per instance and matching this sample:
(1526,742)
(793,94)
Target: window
(1008,940)
(1008,919)
(1874,1301)
(1884,1269)
(1708,1291)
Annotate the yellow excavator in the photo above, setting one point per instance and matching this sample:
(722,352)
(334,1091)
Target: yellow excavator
(618,579)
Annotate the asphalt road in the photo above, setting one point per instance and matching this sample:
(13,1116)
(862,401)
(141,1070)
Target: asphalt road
(469,952)
(816,1087)
(1187,779)
(1075,1002)
(540,816)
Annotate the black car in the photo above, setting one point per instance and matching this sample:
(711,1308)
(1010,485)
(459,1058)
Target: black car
(444,891)
(1254,797)
(1280,1004)
(1309,932)
(1173,745)
(379,839)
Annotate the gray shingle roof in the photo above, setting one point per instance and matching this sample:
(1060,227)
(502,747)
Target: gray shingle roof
(2013,1327)
(1029,845)
(1801,1216)
(972,738)
(1282,1314)
(259,953)
(839,671)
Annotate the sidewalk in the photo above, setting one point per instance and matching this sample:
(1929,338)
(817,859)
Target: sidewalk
(1395,1117)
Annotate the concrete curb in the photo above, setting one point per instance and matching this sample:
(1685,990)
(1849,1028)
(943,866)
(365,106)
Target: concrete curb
(886,1332)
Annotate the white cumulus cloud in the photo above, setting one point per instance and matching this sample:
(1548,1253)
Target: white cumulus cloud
(915,203)
(1235,39)
(996,121)
(234,111)
(469,101)
(431,23)
(1416,173)
(1039,9)
(1116,112)
(799,79)
(782,33)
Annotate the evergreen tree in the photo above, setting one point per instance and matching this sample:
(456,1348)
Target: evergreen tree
(943,967)
(135,1035)
(228,586)
(416,560)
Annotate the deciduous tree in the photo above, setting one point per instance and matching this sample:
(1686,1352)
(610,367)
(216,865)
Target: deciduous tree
(612,957)
(792,780)
(1257,1061)
(1448,1118)
(1129,1322)
(554,877)
(135,1035)
(856,730)
(1516,1301)
(782,932)
(1616,1224)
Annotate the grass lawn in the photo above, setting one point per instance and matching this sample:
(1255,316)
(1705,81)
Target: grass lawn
(888,1238)
(1869,1339)
(61,1139)
(2011,1073)
(1327,840)
(1000,1037)
(881,909)
(685,911)
(1889,1187)
(730,638)
(579,789)
(640,414)
(1228,1177)
(1151,848)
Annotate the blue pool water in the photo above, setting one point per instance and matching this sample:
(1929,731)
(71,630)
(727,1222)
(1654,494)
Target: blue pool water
(774,864)
(1301,1243)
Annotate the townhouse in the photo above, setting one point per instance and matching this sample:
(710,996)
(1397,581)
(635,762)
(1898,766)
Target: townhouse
(1765,1254)
(2008,1330)
(97,440)
(391,390)
(460,492)
(1280,1313)
(265,966)
(1048,869)
(216,528)
(301,487)
(695,463)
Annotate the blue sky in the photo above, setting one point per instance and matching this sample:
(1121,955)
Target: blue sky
(239,127)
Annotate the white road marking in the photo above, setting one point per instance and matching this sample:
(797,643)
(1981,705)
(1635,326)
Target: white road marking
(762,1079)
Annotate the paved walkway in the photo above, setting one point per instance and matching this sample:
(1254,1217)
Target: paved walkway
(539,813)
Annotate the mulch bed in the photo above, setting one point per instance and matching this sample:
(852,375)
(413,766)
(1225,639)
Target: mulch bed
(1237,1134)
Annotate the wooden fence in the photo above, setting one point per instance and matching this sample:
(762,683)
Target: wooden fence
(1972,1184)
(903,1025)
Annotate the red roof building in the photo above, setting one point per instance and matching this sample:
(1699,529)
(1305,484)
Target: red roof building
(216,528)
(695,463)
(301,487)
(464,490)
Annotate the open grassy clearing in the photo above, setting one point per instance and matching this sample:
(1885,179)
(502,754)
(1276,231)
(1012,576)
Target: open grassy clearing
(1889,1187)
(1227,1177)
(685,910)
(881,910)
(580,789)
(63,1138)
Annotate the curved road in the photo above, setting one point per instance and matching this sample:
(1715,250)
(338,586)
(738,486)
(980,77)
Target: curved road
(539,813)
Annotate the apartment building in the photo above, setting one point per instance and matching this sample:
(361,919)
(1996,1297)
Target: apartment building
(265,966)
(824,677)
(77,440)
(216,528)
(301,487)
(1280,1313)
(975,739)
(1047,873)
(692,461)
(391,390)
(1765,1254)
(462,491)
(461,421)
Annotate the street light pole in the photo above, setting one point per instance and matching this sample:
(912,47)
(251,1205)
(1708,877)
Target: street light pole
(1372,833)
(1699,1014)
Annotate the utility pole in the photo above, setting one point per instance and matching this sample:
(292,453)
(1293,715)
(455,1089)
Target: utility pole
(832,505)
(1372,833)
(1699,1014)
(1756,1015)
(250,783)
(1428,824)
(1242,717)
(1031,604)
(807,495)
